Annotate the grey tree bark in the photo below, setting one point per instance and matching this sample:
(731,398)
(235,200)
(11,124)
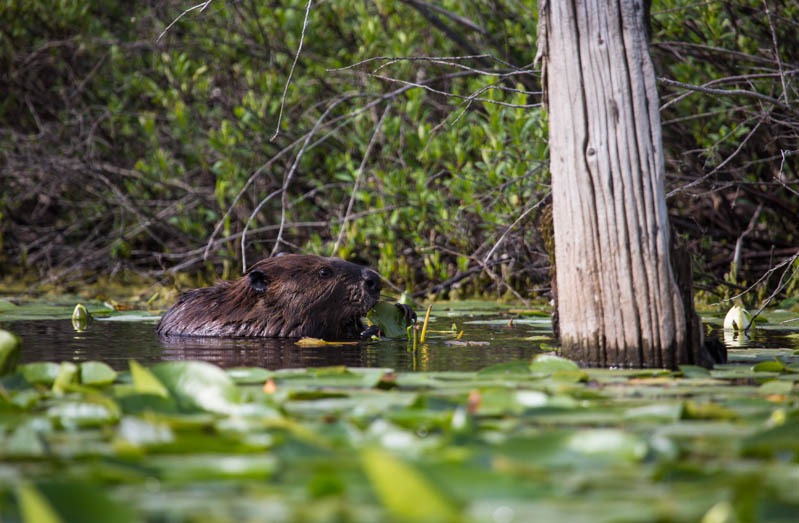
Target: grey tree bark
(617,298)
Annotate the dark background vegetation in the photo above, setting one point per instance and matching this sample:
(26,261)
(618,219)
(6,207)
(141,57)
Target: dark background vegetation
(121,153)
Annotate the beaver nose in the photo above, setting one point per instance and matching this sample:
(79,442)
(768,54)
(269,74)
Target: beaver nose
(371,280)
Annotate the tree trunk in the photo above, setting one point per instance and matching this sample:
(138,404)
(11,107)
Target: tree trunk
(618,302)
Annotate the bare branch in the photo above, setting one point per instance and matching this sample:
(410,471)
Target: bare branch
(719,166)
(358,178)
(441,60)
(291,72)
(782,283)
(452,95)
(728,92)
(736,258)
(290,175)
(201,7)
(776,52)
(514,224)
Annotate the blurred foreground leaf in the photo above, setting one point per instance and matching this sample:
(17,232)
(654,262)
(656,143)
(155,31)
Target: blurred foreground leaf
(197,385)
(34,507)
(406,494)
(9,352)
(41,372)
(145,382)
(96,373)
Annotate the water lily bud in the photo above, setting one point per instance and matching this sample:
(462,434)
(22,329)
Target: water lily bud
(737,318)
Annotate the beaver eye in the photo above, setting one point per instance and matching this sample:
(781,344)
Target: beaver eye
(324,273)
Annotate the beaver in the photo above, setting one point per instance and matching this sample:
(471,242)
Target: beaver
(292,296)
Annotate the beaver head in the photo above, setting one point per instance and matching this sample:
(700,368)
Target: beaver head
(288,296)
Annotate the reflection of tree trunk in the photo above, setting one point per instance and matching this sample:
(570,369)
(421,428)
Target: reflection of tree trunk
(618,301)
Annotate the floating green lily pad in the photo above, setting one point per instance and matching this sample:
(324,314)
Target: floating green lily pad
(42,372)
(96,373)
(390,319)
(538,440)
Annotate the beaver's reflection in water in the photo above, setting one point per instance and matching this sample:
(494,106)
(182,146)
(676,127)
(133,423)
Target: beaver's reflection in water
(269,353)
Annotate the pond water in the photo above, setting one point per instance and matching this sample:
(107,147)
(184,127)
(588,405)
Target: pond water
(487,339)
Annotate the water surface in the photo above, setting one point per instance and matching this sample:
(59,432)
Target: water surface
(488,338)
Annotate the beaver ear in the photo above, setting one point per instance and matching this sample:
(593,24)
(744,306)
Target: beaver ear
(258,280)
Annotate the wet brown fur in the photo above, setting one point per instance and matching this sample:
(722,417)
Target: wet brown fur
(288,296)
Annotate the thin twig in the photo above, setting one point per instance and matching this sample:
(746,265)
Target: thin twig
(201,7)
(408,59)
(728,92)
(783,282)
(247,226)
(510,228)
(452,95)
(282,190)
(736,258)
(251,179)
(779,175)
(291,72)
(729,80)
(719,166)
(763,277)
(290,175)
(776,51)
(358,178)
(720,50)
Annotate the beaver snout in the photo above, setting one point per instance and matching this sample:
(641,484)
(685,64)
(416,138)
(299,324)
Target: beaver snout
(371,281)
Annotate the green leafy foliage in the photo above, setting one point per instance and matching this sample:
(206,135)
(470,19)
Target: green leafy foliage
(185,123)
(135,151)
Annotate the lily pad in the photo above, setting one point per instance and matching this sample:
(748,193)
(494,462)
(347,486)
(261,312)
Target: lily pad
(96,373)
(769,366)
(197,385)
(243,375)
(145,382)
(390,319)
(67,375)
(41,372)
(511,367)
(550,364)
